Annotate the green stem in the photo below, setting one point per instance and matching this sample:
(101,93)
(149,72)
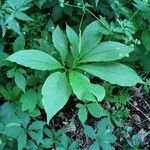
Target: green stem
(67,4)
(134,15)
(80,42)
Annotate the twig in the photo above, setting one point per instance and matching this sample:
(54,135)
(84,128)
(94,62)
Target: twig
(146,103)
(140,111)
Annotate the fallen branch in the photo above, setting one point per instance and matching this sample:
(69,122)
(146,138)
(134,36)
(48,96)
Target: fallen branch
(140,111)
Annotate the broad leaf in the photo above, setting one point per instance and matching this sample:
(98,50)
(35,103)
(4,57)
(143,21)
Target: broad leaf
(56,92)
(35,59)
(14,25)
(20,80)
(85,90)
(22,16)
(13,130)
(107,51)
(22,140)
(7,113)
(37,136)
(29,100)
(94,146)
(73,39)
(115,73)
(36,125)
(82,114)
(89,131)
(19,44)
(96,110)
(60,42)
(91,37)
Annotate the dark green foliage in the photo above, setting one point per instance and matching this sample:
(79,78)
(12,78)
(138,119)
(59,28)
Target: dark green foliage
(102,135)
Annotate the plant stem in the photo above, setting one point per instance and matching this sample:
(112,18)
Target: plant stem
(133,15)
(67,4)
(80,42)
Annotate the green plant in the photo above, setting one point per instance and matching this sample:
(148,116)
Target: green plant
(10,12)
(87,55)
(95,109)
(147,86)
(17,130)
(134,141)
(118,103)
(102,136)
(61,141)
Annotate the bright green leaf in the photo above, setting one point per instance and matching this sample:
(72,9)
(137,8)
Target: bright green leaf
(115,73)
(96,110)
(86,90)
(19,44)
(60,42)
(29,100)
(73,39)
(35,59)
(56,92)
(91,37)
(107,51)
(20,80)
(82,114)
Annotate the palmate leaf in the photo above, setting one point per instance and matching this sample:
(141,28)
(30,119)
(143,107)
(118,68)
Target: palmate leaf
(107,51)
(85,90)
(115,73)
(35,59)
(56,92)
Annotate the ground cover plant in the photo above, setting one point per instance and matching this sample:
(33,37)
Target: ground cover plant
(74,74)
